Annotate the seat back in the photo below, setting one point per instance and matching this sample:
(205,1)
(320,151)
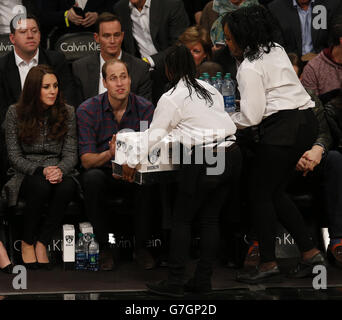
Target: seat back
(77,45)
(5,44)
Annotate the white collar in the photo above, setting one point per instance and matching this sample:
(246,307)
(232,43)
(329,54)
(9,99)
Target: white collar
(19,60)
(146,5)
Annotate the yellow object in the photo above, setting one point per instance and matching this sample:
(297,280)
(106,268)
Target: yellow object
(146,60)
(66,18)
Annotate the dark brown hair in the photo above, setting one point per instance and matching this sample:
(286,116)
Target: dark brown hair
(113,61)
(295,61)
(106,17)
(22,16)
(31,112)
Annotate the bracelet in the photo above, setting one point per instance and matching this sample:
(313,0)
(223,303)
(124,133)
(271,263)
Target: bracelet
(146,60)
(66,18)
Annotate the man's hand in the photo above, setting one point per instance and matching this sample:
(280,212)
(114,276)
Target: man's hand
(128,173)
(112,145)
(74,18)
(90,19)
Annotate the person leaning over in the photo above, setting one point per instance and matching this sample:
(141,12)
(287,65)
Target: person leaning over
(42,149)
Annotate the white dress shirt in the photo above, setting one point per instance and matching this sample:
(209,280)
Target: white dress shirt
(7,11)
(102,89)
(189,119)
(268,85)
(141,31)
(25,67)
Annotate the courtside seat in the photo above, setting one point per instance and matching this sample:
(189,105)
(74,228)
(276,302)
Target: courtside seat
(5,44)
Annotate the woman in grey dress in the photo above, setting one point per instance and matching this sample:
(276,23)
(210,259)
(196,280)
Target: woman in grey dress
(42,149)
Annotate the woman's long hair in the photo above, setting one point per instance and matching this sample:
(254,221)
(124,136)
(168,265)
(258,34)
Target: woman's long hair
(253,29)
(31,112)
(179,64)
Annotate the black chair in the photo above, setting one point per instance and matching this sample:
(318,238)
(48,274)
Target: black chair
(77,45)
(5,44)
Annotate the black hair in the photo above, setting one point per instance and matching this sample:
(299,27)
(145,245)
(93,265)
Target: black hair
(106,17)
(179,64)
(22,16)
(253,30)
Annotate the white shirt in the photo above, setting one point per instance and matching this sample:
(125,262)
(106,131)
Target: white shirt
(8,10)
(268,85)
(102,89)
(190,120)
(24,67)
(141,30)
(82,3)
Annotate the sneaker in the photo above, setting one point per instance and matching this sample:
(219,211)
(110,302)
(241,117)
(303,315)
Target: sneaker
(252,258)
(305,267)
(164,288)
(334,254)
(144,259)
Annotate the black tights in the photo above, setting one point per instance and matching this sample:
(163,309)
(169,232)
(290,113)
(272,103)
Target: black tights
(37,192)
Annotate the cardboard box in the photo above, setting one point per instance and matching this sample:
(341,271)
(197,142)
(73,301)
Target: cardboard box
(68,246)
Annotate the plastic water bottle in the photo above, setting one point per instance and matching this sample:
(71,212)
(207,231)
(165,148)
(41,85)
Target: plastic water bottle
(93,254)
(219,81)
(206,77)
(80,253)
(228,92)
(87,239)
(215,83)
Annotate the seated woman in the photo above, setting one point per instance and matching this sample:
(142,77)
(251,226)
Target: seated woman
(276,114)
(42,149)
(197,40)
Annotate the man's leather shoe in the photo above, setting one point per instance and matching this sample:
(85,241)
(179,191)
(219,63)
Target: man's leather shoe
(106,260)
(194,287)
(257,276)
(304,267)
(334,254)
(144,259)
(164,288)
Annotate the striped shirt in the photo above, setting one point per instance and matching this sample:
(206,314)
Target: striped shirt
(97,123)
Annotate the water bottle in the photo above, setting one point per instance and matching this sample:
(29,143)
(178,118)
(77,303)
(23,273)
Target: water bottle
(219,81)
(206,77)
(228,92)
(80,253)
(215,83)
(87,239)
(93,254)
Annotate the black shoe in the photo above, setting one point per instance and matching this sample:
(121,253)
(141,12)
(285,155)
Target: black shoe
(304,267)
(46,266)
(164,288)
(193,287)
(8,269)
(256,276)
(31,266)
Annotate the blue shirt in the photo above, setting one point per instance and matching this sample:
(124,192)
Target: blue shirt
(97,123)
(305,17)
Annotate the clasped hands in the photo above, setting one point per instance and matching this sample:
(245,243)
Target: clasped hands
(128,173)
(310,159)
(53,174)
(89,20)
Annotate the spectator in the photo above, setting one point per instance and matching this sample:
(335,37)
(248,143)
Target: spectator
(194,10)
(14,66)
(208,17)
(61,15)
(275,114)
(99,119)
(42,148)
(151,27)
(197,40)
(87,71)
(296,18)
(323,74)
(5,263)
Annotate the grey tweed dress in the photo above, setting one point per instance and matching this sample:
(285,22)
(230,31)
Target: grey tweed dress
(26,158)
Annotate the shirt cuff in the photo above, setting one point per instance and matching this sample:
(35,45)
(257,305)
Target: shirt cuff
(150,60)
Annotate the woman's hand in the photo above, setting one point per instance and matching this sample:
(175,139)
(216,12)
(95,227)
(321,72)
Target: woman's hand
(310,159)
(53,174)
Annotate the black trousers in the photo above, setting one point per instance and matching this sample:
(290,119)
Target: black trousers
(203,195)
(38,192)
(272,169)
(99,185)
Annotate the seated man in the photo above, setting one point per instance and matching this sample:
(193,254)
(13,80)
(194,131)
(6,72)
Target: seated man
(87,71)
(99,118)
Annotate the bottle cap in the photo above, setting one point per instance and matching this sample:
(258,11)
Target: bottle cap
(80,234)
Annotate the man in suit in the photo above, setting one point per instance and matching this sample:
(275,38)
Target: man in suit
(14,66)
(151,27)
(87,71)
(296,18)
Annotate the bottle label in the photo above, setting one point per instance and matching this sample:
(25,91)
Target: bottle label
(81,261)
(229,103)
(93,259)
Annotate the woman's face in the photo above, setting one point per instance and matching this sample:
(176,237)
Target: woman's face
(49,90)
(197,52)
(232,45)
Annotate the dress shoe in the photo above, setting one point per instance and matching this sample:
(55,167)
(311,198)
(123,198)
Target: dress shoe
(194,287)
(257,276)
(164,288)
(334,254)
(304,267)
(106,260)
(144,259)
(252,258)
(46,266)
(28,248)
(8,269)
